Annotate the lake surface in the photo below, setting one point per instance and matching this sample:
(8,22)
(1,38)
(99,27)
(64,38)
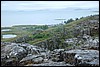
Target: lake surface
(9,36)
(5,29)
(10,18)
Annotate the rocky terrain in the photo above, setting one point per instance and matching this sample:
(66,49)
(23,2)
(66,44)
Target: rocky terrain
(76,44)
(18,54)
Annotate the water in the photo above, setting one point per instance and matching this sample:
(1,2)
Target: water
(9,36)
(6,30)
(10,18)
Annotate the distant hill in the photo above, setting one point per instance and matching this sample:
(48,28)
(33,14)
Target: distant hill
(38,33)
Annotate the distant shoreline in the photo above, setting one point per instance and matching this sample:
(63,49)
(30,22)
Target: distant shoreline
(95,11)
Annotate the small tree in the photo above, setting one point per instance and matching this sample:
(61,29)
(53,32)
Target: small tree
(70,20)
(76,19)
(81,17)
(65,22)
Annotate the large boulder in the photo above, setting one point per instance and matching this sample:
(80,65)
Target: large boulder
(82,57)
(56,55)
(32,50)
(14,50)
(17,52)
(31,59)
(92,43)
(12,53)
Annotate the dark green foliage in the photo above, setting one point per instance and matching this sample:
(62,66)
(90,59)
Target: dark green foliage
(43,27)
(76,19)
(81,17)
(65,22)
(70,20)
(39,35)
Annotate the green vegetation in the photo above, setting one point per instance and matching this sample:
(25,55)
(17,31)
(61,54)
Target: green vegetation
(68,21)
(55,34)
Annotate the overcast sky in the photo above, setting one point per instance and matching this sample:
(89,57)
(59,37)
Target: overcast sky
(41,5)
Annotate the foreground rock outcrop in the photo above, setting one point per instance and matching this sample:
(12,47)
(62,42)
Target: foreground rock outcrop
(16,54)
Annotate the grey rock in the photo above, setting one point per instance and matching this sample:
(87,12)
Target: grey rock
(56,55)
(71,40)
(32,59)
(92,43)
(51,64)
(18,52)
(32,50)
(38,60)
(58,50)
(79,57)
